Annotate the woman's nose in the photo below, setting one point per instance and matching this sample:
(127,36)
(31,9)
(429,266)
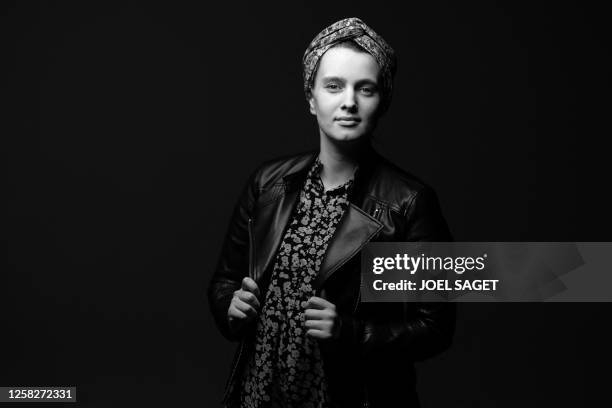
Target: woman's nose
(350,100)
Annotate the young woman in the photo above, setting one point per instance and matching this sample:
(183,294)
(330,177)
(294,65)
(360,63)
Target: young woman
(288,279)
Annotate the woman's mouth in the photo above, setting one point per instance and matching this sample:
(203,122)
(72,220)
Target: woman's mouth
(348,121)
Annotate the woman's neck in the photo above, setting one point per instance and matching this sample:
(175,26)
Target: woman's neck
(339,161)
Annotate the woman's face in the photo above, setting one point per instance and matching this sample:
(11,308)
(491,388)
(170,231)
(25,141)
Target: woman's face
(345,95)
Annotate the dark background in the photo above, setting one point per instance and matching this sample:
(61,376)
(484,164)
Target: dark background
(131,128)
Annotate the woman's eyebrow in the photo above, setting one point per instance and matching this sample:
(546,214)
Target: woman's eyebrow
(333,78)
(342,80)
(367,81)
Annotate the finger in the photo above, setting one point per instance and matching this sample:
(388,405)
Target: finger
(248,297)
(244,308)
(322,325)
(319,303)
(318,334)
(234,313)
(249,285)
(316,314)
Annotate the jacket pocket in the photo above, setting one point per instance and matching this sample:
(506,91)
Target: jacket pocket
(379,209)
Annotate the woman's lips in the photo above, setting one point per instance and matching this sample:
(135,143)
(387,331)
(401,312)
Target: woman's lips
(348,121)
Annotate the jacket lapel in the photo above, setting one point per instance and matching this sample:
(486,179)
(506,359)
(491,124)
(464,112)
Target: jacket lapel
(273,217)
(356,229)
(268,235)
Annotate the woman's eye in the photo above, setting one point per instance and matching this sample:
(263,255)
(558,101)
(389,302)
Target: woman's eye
(333,87)
(367,91)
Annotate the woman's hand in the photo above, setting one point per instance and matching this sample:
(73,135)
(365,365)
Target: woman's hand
(244,306)
(321,320)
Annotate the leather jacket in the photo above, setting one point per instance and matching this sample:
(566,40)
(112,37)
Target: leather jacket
(370,364)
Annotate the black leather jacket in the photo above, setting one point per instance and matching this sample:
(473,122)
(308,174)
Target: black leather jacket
(370,364)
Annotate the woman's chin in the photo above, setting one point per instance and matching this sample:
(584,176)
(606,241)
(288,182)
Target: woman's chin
(347,137)
(344,136)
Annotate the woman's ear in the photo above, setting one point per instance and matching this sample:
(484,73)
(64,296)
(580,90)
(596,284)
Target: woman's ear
(311,103)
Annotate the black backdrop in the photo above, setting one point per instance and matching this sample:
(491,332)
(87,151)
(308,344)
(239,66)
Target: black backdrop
(134,126)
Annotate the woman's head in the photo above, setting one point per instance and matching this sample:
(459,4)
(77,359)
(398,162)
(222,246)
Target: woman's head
(348,78)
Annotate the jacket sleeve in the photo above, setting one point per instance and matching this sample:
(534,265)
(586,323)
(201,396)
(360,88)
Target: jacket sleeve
(233,264)
(422,329)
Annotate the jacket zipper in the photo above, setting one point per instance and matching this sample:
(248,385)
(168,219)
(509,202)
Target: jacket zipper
(366,402)
(251,250)
(251,273)
(229,387)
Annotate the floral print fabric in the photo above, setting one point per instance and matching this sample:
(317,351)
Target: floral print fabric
(286,369)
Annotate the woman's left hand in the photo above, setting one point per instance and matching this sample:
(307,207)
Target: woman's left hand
(321,320)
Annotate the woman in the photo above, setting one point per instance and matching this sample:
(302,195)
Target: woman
(287,282)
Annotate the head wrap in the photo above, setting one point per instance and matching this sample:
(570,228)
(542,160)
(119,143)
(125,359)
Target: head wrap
(356,30)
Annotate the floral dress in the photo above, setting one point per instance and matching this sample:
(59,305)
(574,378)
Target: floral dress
(286,369)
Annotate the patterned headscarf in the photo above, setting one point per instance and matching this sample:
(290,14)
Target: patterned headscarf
(356,30)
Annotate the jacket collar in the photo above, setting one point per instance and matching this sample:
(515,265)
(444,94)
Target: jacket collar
(366,161)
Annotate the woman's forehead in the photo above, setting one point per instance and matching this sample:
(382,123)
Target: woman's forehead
(348,64)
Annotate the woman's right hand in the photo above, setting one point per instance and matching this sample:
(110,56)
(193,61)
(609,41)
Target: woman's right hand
(244,306)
